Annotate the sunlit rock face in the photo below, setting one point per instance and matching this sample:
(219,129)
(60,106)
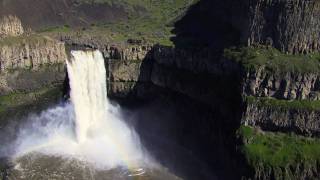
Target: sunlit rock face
(30,63)
(291,26)
(31,52)
(10,26)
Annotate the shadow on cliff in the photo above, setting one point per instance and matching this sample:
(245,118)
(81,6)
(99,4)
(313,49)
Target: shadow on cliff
(209,23)
(197,111)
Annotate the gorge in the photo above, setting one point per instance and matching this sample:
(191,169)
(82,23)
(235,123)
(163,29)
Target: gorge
(204,87)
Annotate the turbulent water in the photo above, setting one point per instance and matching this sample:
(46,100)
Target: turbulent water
(85,135)
(97,124)
(89,128)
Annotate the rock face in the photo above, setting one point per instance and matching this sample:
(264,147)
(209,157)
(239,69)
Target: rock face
(115,51)
(128,68)
(10,26)
(291,25)
(31,52)
(301,121)
(290,85)
(218,84)
(196,78)
(301,171)
(31,62)
(28,80)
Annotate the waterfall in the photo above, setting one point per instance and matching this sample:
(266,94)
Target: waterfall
(88,127)
(87,77)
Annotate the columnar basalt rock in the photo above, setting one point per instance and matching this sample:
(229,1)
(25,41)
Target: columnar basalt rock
(290,85)
(292,26)
(31,53)
(115,51)
(29,63)
(10,26)
(271,118)
(128,67)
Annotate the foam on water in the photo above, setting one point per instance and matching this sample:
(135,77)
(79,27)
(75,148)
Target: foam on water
(88,128)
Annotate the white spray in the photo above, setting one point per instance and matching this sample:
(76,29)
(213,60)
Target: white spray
(90,128)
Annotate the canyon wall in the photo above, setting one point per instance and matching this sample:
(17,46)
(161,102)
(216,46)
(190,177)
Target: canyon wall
(30,62)
(201,78)
(289,25)
(270,117)
(289,85)
(232,95)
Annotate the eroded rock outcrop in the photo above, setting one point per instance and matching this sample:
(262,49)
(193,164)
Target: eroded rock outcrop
(289,85)
(274,118)
(31,52)
(10,26)
(290,25)
(28,63)
(110,50)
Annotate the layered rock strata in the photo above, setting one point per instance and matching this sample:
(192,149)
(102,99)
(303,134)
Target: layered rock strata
(289,85)
(31,62)
(279,118)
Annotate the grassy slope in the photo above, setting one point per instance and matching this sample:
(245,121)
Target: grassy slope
(18,104)
(284,104)
(150,20)
(274,60)
(278,150)
(20,98)
(21,40)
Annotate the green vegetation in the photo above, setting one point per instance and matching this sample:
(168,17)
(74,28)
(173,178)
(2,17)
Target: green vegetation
(66,28)
(278,150)
(19,98)
(20,40)
(284,104)
(275,61)
(148,20)
(19,104)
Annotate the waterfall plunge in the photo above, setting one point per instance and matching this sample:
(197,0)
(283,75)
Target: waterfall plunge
(89,128)
(87,76)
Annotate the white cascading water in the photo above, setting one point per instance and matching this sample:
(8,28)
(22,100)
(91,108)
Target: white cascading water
(87,76)
(89,128)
